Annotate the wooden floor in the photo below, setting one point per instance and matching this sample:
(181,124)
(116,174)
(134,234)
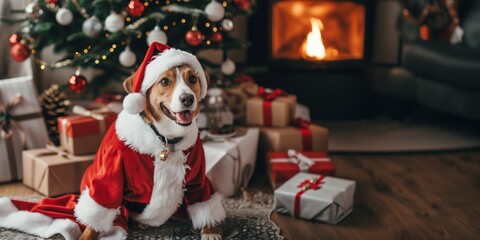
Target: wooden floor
(409,196)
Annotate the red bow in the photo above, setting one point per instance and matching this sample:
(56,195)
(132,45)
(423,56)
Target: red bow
(244,78)
(305,186)
(301,123)
(270,94)
(309,184)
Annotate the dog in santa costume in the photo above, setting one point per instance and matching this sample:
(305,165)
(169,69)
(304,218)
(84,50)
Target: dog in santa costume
(150,166)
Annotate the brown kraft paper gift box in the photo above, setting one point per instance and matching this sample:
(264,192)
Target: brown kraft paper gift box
(52,174)
(236,99)
(282,111)
(81,135)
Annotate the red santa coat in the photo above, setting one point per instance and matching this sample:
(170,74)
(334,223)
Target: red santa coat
(127,179)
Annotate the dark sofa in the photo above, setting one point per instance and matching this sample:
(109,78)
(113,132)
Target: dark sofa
(438,74)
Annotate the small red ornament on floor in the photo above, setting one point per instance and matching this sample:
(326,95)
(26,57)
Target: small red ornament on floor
(194,37)
(77,83)
(20,52)
(136,8)
(216,37)
(243,4)
(14,39)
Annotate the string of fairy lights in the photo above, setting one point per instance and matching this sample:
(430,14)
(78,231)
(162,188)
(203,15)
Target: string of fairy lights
(121,28)
(101,56)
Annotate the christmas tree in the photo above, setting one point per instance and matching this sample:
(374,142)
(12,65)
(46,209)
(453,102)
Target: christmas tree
(113,35)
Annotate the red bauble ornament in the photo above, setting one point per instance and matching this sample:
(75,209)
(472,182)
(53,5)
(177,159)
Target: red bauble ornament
(136,8)
(194,37)
(20,52)
(216,37)
(52,1)
(14,39)
(243,4)
(77,83)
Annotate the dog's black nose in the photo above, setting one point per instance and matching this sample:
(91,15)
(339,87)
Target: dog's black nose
(186,99)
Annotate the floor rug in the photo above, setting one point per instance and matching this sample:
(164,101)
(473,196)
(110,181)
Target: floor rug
(245,220)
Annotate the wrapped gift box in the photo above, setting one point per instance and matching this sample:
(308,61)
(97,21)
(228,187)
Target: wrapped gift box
(284,165)
(271,113)
(302,111)
(311,138)
(230,162)
(20,114)
(54,174)
(315,197)
(236,99)
(80,134)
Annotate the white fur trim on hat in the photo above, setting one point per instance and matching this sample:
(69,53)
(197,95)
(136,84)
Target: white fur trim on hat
(172,58)
(134,103)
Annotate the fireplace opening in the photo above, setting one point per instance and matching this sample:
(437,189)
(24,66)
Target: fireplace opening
(317,31)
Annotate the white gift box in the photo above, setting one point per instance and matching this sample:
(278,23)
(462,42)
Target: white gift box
(230,162)
(25,121)
(315,197)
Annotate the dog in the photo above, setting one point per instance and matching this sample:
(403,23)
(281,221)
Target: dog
(149,168)
(171,106)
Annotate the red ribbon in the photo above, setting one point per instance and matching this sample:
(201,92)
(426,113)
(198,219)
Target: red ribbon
(307,142)
(269,95)
(267,113)
(306,185)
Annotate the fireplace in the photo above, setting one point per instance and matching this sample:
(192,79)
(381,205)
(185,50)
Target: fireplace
(316,34)
(318,50)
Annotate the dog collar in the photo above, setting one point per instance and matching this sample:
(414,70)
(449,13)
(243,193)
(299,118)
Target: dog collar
(164,139)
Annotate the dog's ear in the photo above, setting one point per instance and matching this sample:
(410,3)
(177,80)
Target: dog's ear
(128,84)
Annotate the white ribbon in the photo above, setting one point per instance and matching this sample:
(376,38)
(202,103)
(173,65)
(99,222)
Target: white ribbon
(303,162)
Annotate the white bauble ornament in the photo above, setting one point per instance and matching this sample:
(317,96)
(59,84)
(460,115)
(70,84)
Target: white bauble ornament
(227,24)
(127,58)
(157,35)
(64,16)
(92,26)
(228,67)
(114,22)
(215,11)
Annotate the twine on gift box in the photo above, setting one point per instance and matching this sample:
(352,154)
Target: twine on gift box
(240,176)
(54,150)
(9,122)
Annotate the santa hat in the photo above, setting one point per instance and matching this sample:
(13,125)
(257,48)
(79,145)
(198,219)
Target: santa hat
(158,59)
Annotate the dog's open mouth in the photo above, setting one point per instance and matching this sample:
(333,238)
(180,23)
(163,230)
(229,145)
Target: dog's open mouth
(183,118)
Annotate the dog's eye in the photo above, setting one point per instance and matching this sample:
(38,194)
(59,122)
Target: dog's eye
(192,79)
(164,82)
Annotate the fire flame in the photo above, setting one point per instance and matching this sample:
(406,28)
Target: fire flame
(312,46)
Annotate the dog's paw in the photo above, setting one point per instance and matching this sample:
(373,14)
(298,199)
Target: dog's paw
(211,236)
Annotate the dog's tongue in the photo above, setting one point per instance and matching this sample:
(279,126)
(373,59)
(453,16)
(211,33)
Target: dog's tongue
(184,117)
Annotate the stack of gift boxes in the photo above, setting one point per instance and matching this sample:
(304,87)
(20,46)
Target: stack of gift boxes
(25,153)
(53,170)
(294,153)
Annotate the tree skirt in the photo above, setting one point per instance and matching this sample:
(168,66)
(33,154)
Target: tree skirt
(245,220)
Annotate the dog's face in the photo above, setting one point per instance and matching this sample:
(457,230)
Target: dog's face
(173,100)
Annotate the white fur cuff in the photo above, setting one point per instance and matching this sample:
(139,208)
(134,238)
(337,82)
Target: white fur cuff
(94,215)
(207,214)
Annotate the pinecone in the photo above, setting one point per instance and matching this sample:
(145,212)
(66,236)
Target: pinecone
(54,104)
